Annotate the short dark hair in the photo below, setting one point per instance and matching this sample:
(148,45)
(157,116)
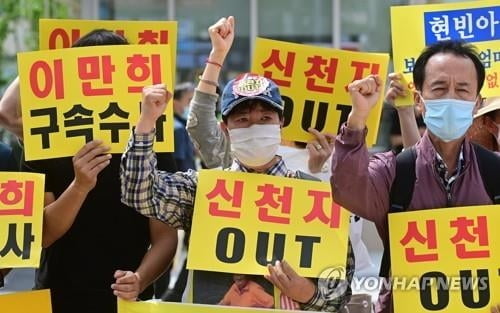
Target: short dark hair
(458,48)
(100,37)
(251,103)
(182,88)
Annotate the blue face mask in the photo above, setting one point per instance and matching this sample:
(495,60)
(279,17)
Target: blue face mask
(185,113)
(448,119)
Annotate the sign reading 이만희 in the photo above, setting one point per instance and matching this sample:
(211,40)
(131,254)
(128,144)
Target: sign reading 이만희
(478,22)
(71,96)
(313,84)
(62,33)
(21,212)
(242,223)
(446,260)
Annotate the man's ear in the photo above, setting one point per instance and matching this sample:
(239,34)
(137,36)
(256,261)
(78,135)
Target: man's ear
(478,105)
(223,127)
(419,103)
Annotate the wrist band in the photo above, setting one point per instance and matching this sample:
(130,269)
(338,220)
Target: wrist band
(213,63)
(208,82)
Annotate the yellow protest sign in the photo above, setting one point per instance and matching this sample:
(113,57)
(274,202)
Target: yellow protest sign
(446,260)
(313,83)
(243,221)
(62,33)
(477,22)
(24,302)
(21,214)
(71,96)
(171,307)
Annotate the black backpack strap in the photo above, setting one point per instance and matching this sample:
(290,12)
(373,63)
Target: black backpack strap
(489,167)
(400,195)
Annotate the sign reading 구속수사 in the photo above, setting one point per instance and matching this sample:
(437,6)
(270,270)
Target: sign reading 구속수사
(72,96)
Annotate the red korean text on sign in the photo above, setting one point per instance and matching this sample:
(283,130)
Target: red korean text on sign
(66,39)
(96,68)
(233,200)
(285,68)
(145,70)
(46,78)
(274,205)
(471,231)
(153,37)
(429,238)
(332,218)
(16,197)
(362,69)
(322,69)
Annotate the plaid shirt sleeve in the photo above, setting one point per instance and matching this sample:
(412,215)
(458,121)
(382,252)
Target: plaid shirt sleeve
(168,197)
(333,295)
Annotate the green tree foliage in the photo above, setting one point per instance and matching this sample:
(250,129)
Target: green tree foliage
(16,15)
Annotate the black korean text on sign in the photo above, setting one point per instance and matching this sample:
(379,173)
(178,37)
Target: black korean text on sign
(114,127)
(80,116)
(45,131)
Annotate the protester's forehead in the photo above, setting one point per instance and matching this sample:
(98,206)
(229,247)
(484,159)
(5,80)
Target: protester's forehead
(446,66)
(252,104)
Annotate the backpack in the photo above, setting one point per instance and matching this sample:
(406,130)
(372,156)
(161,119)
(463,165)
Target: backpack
(403,184)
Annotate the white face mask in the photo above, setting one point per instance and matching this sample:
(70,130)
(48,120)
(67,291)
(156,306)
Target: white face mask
(255,145)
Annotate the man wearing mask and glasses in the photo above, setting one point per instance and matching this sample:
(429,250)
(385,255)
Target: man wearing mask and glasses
(444,169)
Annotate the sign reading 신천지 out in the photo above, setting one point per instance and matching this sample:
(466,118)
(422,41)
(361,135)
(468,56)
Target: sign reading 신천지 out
(242,223)
(477,22)
(71,96)
(313,83)
(446,260)
(21,213)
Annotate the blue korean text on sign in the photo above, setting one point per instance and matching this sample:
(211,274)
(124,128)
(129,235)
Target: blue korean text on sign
(471,25)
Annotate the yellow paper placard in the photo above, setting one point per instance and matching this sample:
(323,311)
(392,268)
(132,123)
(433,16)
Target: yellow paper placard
(171,307)
(477,22)
(446,260)
(71,96)
(408,99)
(21,214)
(243,221)
(62,33)
(313,83)
(26,302)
